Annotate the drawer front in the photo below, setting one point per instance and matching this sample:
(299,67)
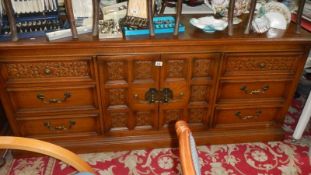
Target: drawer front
(30,100)
(266,89)
(246,117)
(66,69)
(260,63)
(59,126)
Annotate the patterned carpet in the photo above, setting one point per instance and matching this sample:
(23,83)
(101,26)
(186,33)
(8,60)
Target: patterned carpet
(234,159)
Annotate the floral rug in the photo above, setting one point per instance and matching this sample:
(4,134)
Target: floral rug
(235,159)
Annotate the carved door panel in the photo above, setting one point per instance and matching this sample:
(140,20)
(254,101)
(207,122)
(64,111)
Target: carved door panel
(124,81)
(191,78)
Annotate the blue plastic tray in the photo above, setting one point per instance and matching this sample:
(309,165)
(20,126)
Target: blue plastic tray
(163,24)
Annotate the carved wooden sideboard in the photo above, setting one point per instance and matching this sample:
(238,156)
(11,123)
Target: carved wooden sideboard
(90,95)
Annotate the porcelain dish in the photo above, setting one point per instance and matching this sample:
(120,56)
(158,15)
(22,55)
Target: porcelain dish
(261,24)
(277,20)
(280,8)
(209,24)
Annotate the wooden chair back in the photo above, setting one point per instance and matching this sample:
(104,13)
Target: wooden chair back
(187,149)
(38,146)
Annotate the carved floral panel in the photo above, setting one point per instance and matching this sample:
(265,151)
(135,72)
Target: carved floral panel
(118,119)
(197,115)
(48,69)
(176,68)
(144,119)
(143,70)
(172,115)
(201,67)
(249,63)
(117,96)
(115,70)
(199,93)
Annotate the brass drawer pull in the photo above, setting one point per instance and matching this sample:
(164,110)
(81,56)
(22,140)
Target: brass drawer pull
(48,125)
(256,91)
(247,117)
(41,97)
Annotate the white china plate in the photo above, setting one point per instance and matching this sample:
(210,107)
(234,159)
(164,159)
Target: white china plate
(280,8)
(277,20)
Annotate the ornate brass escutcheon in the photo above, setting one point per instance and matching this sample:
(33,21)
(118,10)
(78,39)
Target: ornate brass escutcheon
(159,96)
(152,95)
(166,95)
(248,117)
(48,125)
(41,97)
(262,90)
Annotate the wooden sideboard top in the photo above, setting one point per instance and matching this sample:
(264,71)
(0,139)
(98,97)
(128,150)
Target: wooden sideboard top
(192,36)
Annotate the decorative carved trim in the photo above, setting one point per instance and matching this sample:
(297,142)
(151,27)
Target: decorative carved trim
(249,63)
(116,70)
(176,68)
(196,115)
(144,119)
(143,70)
(118,119)
(201,67)
(199,93)
(48,69)
(117,96)
(172,115)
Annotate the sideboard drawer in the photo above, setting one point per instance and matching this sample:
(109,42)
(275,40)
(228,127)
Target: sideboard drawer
(68,69)
(249,89)
(51,99)
(261,63)
(59,126)
(245,117)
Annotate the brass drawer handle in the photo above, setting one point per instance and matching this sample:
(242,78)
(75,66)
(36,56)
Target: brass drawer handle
(41,97)
(48,125)
(256,91)
(248,117)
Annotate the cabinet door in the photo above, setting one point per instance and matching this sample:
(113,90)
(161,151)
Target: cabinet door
(191,78)
(124,82)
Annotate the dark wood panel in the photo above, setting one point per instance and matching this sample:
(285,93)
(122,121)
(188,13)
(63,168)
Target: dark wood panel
(52,99)
(124,82)
(261,63)
(255,90)
(192,79)
(60,126)
(44,69)
(246,117)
